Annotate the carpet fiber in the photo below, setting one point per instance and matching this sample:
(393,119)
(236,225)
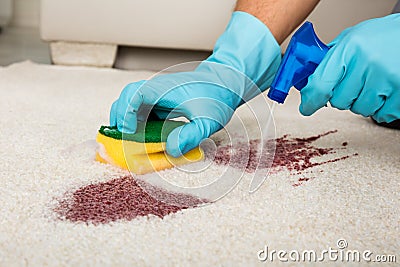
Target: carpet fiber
(49,114)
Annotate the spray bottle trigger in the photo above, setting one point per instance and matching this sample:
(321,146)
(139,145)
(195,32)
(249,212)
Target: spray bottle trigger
(302,57)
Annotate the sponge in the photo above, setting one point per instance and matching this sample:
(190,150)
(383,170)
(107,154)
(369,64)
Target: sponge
(143,151)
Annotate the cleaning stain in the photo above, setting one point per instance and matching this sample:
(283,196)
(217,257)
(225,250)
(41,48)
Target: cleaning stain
(124,199)
(119,199)
(293,154)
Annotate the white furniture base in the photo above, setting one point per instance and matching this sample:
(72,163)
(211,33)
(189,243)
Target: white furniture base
(84,54)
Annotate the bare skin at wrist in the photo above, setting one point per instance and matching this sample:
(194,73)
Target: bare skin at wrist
(280,16)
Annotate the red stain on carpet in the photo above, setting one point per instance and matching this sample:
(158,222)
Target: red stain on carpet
(293,154)
(119,199)
(124,199)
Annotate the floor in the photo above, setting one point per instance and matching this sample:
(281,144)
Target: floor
(335,183)
(20,44)
(340,192)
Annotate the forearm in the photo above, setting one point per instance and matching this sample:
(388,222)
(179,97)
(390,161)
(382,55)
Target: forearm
(280,16)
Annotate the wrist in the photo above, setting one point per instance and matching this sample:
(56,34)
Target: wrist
(248,46)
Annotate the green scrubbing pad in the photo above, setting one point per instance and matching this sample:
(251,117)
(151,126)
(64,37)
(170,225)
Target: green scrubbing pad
(147,132)
(142,152)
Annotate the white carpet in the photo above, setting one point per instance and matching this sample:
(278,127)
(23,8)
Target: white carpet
(45,110)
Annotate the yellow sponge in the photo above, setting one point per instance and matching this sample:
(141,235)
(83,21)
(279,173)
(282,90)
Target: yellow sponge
(144,151)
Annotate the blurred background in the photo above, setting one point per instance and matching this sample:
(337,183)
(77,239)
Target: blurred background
(133,34)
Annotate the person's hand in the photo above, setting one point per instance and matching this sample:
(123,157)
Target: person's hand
(245,60)
(361,72)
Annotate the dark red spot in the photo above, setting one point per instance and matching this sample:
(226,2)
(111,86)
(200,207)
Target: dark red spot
(293,154)
(124,199)
(119,199)
(301,181)
(344,144)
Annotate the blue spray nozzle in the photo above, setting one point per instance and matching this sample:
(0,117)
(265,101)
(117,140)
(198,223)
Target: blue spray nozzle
(303,55)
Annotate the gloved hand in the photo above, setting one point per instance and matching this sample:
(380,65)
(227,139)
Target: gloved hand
(245,58)
(361,72)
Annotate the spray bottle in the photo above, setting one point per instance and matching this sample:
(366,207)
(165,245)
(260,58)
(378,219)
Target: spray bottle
(302,57)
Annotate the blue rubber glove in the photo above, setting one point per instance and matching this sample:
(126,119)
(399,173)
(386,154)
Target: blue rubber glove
(361,72)
(245,58)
